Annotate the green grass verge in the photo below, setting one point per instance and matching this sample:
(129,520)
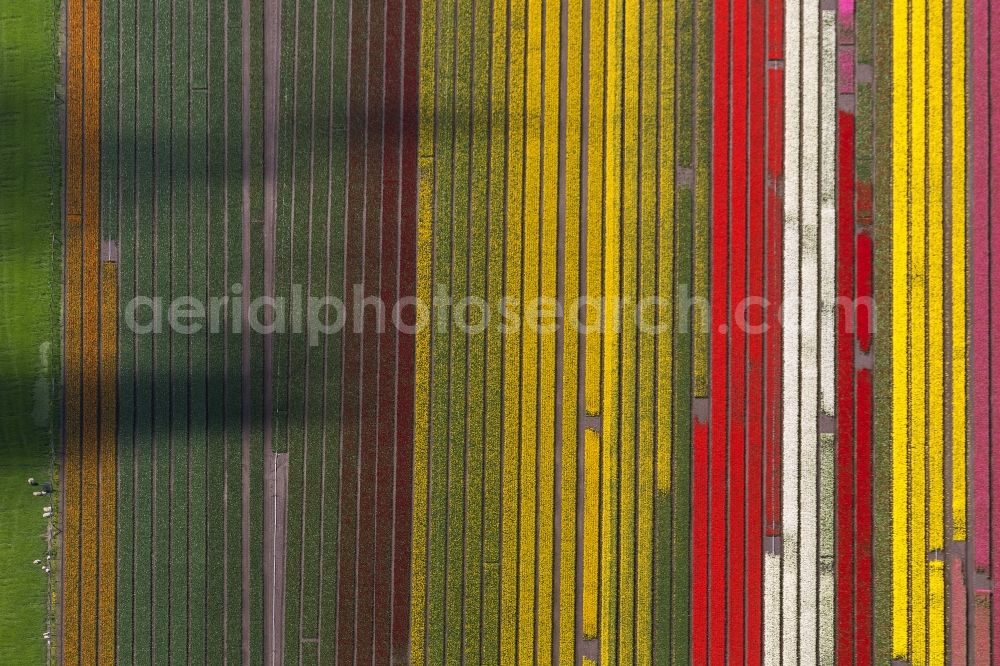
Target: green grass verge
(30,293)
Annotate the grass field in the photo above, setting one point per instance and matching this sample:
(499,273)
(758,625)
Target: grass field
(29,297)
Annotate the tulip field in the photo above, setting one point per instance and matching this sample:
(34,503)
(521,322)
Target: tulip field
(499,331)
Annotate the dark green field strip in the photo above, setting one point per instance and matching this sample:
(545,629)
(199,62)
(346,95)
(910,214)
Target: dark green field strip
(309,255)
(441,338)
(200,428)
(317,251)
(330,515)
(110,119)
(458,383)
(144,257)
(180,379)
(257,288)
(874,30)
(568,288)
(702,30)
(674,646)
(611,404)
(162,149)
(172,171)
(302,67)
(496,199)
(552,221)
(476,393)
(512,261)
(656,139)
(280,343)
(283,202)
(118,222)
(282,242)
(128,342)
(179,123)
(624,498)
(314,261)
(291,235)
(571,289)
(199,425)
(530,241)
(630,241)
(233,105)
(216,518)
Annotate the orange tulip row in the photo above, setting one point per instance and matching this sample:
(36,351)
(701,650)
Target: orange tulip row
(71,465)
(107,561)
(90,477)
